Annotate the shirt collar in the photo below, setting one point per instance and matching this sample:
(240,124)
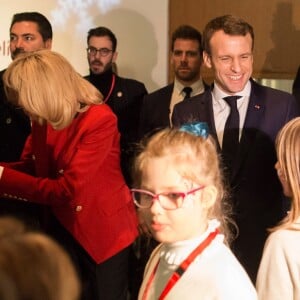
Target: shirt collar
(218,94)
(198,86)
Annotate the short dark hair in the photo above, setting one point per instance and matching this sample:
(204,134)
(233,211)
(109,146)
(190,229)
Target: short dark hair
(44,26)
(103,31)
(231,25)
(186,32)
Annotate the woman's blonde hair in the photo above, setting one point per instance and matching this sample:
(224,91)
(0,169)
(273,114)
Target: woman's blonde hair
(196,159)
(288,155)
(48,88)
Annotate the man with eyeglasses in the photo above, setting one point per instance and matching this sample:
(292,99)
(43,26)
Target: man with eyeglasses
(123,95)
(186,61)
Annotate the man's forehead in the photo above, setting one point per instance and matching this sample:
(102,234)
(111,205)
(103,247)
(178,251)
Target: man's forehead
(186,43)
(100,39)
(24,27)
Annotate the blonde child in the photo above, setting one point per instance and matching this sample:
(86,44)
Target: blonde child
(278,275)
(180,197)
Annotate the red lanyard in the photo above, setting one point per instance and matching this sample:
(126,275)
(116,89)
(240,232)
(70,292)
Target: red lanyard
(181,269)
(111,87)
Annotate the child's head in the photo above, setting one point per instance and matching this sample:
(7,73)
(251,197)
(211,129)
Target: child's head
(38,266)
(288,164)
(178,161)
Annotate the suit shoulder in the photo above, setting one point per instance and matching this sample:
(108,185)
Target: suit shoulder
(279,104)
(131,83)
(195,100)
(165,91)
(269,91)
(99,114)
(1,78)
(102,109)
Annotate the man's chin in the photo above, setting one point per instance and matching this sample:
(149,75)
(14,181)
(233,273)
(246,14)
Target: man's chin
(186,78)
(97,71)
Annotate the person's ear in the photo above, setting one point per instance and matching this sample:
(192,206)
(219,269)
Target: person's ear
(207,60)
(48,44)
(115,56)
(209,196)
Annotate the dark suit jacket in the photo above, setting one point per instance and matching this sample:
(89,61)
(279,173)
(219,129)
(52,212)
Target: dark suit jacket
(156,109)
(296,87)
(126,102)
(257,198)
(14,129)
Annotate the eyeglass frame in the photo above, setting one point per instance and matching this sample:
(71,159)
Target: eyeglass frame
(156,197)
(104,50)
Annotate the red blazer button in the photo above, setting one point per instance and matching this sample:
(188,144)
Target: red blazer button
(78,208)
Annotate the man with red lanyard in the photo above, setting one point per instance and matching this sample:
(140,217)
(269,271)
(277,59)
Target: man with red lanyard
(123,95)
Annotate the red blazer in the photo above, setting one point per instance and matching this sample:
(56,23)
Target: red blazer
(76,171)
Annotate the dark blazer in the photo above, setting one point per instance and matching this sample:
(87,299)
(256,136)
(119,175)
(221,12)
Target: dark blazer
(126,102)
(296,87)
(14,129)
(76,172)
(156,109)
(256,193)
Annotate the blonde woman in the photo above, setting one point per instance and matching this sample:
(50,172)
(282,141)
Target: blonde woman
(71,164)
(278,276)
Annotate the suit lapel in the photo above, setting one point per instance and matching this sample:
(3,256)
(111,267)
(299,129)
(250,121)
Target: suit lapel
(206,114)
(255,113)
(165,103)
(211,122)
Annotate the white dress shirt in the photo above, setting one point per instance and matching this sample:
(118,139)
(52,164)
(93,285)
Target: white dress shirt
(221,108)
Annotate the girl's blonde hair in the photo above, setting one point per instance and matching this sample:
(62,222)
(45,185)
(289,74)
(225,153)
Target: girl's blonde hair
(196,160)
(48,88)
(288,155)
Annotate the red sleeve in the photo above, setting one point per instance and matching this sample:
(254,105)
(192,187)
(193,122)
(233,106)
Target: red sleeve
(84,163)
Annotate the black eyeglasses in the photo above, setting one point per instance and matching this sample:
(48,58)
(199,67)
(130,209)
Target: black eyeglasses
(102,51)
(167,200)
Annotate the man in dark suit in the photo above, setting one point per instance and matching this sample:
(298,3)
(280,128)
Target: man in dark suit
(123,95)
(186,61)
(29,31)
(256,194)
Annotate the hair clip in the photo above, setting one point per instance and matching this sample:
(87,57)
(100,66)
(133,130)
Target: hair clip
(196,128)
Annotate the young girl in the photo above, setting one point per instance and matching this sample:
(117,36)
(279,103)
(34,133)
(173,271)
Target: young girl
(180,196)
(278,276)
